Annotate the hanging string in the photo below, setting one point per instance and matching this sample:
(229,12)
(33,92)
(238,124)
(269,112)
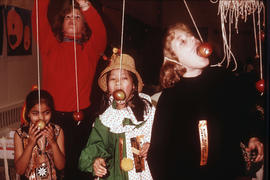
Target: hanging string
(38,60)
(193,20)
(122,39)
(75,57)
(255,34)
(260,44)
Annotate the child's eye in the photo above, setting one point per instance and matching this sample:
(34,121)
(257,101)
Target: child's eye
(34,113)
(47,112)
(77,16)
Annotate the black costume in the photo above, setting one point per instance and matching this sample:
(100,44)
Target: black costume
(215,96)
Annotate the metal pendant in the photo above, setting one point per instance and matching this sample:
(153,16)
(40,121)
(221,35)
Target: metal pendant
(42,171)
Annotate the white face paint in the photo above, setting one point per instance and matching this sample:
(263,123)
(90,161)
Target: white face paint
(185,47)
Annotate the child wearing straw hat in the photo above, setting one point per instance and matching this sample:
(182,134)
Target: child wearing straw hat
(118,144)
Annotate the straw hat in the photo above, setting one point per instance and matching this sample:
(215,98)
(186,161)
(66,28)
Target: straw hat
(126,64)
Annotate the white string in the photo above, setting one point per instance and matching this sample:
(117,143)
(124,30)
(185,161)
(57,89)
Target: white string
(235,9)
(172,60)
(255,34)
(38,60)
(260,45)
(122,39)
(193,20)
(75,57)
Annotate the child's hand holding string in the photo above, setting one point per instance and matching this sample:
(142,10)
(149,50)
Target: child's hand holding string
(84,4)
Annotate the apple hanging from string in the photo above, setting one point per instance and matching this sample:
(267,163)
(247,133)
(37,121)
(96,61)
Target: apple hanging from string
(40,124)
(204,50)
(119,95)
(260,85)
(78,115)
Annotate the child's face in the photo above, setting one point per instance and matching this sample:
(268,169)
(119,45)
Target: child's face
(44,113)
(125,82)
(68,24)
(185,48)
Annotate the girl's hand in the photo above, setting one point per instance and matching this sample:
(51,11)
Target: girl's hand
(34,134)
(84,4)
(49,134)
(100,167)
(144,150)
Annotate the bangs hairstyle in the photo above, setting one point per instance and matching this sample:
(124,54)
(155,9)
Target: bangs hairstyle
(56,20)
(32,99)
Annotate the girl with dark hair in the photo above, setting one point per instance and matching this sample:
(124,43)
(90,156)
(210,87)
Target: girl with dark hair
(120,137)
(60,24)
(39,145)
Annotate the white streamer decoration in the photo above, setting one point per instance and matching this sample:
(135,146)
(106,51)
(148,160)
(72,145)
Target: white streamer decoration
(230,11)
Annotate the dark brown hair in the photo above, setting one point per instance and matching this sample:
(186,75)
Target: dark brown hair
(32,99)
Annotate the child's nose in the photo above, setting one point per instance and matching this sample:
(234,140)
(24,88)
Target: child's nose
(41,116)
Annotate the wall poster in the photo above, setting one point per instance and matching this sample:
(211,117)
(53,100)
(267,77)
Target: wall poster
(18,31)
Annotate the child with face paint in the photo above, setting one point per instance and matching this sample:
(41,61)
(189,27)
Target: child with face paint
(39,145)
(202,115)
(120,138)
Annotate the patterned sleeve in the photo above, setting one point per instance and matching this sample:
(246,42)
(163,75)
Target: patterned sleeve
(149,118)
(96,147)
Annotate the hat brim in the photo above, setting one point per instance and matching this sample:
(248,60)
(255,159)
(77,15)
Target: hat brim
(102,80)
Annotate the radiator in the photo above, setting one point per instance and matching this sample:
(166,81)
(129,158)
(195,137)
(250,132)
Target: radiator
(10,115)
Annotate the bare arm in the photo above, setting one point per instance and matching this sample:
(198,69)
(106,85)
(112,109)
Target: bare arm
(57,146)
(23,156)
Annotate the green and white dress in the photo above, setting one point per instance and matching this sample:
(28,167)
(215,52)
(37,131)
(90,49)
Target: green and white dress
(111,129)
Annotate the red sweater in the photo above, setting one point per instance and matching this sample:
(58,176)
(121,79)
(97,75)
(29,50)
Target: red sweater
(58,62)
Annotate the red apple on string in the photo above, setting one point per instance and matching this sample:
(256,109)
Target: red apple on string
(204,50)
(78,115)
(260,85)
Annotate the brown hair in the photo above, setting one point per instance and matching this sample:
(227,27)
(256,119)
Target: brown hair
(171,72)
(57,20)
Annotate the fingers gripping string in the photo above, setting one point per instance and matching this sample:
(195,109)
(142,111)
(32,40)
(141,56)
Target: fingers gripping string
(75,56)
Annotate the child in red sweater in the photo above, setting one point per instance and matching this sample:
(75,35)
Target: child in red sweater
(56,42)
